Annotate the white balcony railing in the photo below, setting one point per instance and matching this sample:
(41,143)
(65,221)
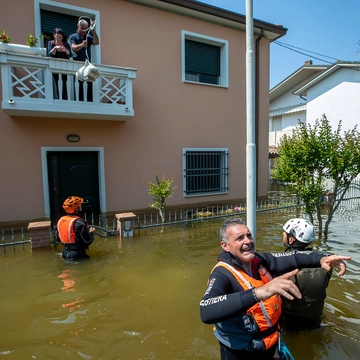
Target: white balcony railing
(33,86)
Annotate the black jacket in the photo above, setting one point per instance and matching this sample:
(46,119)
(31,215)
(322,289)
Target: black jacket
(238,300)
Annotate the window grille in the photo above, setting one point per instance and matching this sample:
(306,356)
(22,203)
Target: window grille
(205,171)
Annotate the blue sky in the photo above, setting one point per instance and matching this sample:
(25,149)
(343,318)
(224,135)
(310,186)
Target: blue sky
(326,27)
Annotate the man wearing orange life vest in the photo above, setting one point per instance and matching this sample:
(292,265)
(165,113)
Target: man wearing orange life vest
(243,299)
(73,230)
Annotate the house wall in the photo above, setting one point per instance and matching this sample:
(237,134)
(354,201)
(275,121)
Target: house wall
(169,115)
(336,96)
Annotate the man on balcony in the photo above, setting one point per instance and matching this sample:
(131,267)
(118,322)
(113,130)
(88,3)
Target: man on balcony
(80,43)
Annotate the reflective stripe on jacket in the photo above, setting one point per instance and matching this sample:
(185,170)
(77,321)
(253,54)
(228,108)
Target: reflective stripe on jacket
(260,321)
(65,227)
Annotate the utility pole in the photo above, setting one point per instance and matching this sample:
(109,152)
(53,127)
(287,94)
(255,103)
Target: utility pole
(250,123)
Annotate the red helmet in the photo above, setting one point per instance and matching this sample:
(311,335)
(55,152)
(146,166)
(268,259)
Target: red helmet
(72,203)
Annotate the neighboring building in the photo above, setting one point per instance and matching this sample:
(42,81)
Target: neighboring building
(171,98)
(335,93)
(310,92)
(286,110)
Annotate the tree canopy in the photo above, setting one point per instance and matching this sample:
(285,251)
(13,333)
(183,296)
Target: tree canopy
(314,154)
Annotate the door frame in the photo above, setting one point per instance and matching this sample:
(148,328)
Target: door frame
(45,174)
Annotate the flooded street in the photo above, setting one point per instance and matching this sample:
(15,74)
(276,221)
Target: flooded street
(138,298)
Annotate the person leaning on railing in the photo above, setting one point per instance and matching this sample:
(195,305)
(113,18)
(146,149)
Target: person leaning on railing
(80,43)
(60,49)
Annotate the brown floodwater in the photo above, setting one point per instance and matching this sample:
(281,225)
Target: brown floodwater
(138,298)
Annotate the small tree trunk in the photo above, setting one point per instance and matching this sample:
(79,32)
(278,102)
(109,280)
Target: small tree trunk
(162,215)
(318,213)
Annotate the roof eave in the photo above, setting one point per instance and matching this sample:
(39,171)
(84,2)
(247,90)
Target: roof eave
(335,67)
(215,15)
(290,81)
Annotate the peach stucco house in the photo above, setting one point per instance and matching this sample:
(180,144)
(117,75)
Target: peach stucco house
(171,98)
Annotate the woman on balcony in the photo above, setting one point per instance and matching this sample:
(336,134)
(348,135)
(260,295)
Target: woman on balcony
(58,48)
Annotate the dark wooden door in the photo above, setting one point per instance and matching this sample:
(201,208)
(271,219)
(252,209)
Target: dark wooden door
(73,174)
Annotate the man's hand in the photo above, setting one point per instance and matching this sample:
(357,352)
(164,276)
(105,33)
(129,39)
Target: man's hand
(280,285)
(92,229)
(84,44)
(327,262)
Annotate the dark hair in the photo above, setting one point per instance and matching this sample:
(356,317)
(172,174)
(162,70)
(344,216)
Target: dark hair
(58,31)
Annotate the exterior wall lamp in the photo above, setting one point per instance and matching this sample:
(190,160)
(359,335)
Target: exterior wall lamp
(73,138)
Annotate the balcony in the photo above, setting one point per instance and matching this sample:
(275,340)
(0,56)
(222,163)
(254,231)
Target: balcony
(29,88)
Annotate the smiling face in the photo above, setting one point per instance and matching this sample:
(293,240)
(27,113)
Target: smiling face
(240,243)
(58,36)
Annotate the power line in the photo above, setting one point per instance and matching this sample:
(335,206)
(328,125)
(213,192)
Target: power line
(292,48)
(295,47)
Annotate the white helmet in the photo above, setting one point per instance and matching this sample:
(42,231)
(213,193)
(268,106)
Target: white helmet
(301,229)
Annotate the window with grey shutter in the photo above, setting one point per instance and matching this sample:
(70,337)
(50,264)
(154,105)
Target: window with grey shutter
(51,20)
(202,62)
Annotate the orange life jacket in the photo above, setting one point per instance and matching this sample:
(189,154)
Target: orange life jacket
(266,313)
(65,227)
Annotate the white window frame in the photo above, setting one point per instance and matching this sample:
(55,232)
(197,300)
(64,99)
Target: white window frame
(224,56)
(224,178)
(71,10)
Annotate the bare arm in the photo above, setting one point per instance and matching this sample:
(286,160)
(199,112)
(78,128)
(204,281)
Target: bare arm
(95,35)
(77,47)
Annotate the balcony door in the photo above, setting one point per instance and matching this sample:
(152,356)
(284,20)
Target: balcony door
(73,173)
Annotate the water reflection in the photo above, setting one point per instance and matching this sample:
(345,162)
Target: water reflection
(138,298)
(67,277)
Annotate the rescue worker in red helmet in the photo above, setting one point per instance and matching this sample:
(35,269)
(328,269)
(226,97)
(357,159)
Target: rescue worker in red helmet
(73,230)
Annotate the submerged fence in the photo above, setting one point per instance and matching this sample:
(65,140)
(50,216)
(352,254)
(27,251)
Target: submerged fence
(211,212)
(105,227)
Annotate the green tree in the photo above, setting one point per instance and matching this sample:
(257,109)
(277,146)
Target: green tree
(314,154)
(161,190)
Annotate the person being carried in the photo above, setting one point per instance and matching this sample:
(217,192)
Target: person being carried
(304,313)
(60,49)
(243,296)
(73,230)
(80,43)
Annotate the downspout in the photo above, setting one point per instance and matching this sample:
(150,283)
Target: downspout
(257,102)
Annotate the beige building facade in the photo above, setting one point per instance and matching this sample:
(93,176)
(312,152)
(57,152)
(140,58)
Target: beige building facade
(171,98)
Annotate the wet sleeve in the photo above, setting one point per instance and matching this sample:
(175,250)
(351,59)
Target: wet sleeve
(280,263)
(82,232)
(220,303)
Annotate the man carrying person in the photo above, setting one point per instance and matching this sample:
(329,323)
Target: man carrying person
(243,298)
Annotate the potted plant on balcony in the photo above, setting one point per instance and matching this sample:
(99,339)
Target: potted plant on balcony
(4,38)
(29,49)
(32,40)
